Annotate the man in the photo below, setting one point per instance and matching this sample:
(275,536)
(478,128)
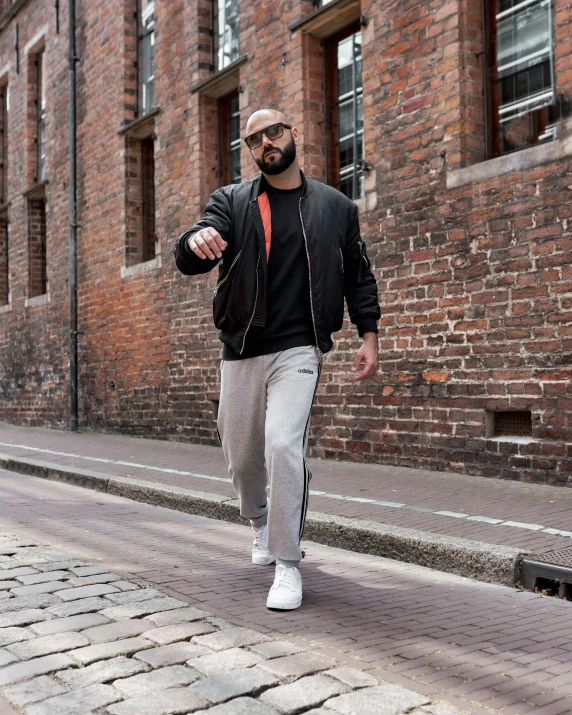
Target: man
(288,250)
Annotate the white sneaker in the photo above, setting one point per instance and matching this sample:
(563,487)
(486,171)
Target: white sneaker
(260,553)
(286,591)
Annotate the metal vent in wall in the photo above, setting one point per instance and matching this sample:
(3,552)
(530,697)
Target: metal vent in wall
(513,424)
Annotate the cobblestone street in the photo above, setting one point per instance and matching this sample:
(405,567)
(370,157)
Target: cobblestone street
(479,647)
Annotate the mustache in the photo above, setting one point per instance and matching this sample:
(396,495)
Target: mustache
(267,151)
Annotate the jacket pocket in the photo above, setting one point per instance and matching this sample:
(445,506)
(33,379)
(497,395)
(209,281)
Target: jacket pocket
(222,294)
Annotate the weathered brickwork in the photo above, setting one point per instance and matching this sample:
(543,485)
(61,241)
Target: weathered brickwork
(475,281)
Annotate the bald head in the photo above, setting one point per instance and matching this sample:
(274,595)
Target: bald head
(264,118)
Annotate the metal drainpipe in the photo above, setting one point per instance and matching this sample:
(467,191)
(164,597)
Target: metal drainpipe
(73,222)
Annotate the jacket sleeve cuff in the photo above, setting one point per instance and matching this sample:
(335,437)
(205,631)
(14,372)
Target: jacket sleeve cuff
(367,325)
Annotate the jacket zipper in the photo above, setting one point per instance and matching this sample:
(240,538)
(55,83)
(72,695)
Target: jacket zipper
(253,309)
(218,285)
(310,280)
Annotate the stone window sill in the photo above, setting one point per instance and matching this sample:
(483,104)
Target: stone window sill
(328,19)
(222,82)
(514,439)
(141,127)
(140,269)
(43,299)
(6,308)
(560,148)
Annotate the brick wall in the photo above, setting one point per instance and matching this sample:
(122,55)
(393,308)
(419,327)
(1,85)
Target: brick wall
(475,280)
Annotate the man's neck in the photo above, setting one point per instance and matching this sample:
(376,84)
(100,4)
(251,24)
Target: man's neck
(289,179)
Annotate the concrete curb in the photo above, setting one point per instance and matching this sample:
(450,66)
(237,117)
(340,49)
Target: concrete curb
(473,559)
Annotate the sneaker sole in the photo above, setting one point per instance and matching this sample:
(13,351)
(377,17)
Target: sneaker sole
(284,606)
(263,560)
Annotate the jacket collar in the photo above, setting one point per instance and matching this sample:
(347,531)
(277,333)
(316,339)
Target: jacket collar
(260,185)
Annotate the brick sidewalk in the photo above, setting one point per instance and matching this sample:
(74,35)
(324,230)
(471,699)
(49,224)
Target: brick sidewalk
(449,638)
(422,492)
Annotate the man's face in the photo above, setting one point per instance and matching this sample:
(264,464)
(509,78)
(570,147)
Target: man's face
(274,156)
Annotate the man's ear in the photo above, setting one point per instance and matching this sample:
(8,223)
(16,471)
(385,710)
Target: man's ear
(296,135)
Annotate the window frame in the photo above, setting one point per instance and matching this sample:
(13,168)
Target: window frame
(494,139)
(146,33)
(225,139)
(332,107)
(40,99)
(217,65)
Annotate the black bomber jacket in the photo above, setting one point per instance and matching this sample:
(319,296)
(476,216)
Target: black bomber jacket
(337,259)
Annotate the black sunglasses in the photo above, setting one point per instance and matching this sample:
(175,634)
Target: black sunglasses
(274,131)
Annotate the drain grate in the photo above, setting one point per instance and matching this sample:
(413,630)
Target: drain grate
(561,557)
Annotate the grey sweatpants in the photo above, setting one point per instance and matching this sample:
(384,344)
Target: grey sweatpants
(263,420)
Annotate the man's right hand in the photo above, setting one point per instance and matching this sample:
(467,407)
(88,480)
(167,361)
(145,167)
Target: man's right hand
(207,243)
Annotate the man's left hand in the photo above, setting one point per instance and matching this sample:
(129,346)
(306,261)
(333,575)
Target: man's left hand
(366,354)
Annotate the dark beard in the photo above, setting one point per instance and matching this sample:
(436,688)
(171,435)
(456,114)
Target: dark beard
(287,156)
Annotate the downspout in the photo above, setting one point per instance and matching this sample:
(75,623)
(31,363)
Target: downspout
(73,222)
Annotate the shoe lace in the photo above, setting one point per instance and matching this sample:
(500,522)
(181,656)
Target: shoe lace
(285,577)
(260,537)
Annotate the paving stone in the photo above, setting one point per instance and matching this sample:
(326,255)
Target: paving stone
(14,572)
(247,681)
(6,657)
(383,699)
(174,676)
(31,668)
(142,594)
(96,589)
(240,706)
(295,666)
(14,635)
(172,654)
(102,651)
(43,577)
(181,615)
(178,632)
(87,570)
(20,563)
(13,545)
(353,677)
(234,637)
(115,630)
(23,618)
(48,644)
(440,709)
(304,693)
(78,702)
(276,649)
(84,605)
(223,662)
(102,672)
(5,594)
(71,623)
(7,585)
(36,600)
(49,587)
(168,702)
(32,691)
(63,565)
(136,610)
(90,580)
(126,585)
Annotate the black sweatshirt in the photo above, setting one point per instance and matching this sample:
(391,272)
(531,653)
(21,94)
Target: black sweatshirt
(288,312)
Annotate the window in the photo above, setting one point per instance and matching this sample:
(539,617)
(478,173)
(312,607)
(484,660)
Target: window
(229,142)
(4,104)
(146,51)
(523,104)
(140,198)
(40,117)
(37,273)
(4,279)
(148,197)
(225,33)
(345,112)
